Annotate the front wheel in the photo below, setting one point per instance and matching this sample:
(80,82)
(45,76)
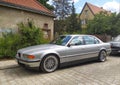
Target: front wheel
(49,64)
(102,56)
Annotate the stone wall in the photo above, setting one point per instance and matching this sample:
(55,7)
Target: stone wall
(9,18)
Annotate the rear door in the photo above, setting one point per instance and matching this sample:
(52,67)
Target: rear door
(91,47)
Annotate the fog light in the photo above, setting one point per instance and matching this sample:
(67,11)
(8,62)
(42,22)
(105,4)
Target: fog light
(30,56)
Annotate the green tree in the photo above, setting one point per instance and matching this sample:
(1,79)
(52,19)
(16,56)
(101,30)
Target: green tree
(9,44)
(99,24)
(69,25)
(104,24)
(30,34)
(59,26)
(114,23)
(62,8)
(44,2)
(73,23)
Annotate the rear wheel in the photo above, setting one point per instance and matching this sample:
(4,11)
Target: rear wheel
(49,64)
(102,56)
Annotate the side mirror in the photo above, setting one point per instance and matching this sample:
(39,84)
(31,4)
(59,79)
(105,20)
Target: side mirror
(68,45)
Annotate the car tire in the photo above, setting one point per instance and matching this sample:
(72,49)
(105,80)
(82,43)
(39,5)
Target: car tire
(102,56)
(49,63)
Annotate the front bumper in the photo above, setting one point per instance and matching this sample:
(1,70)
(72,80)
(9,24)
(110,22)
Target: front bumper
(30,64)
(115,50)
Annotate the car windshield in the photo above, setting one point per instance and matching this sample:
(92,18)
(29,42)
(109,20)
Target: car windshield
(117,39)
(62,40)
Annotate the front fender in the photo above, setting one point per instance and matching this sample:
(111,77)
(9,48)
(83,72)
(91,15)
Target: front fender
(49,52)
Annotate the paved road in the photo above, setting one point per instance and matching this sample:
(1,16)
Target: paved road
(93,73)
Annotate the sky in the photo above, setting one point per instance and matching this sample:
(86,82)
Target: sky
(110,5)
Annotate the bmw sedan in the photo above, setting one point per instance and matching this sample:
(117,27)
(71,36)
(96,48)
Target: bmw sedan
(65,49)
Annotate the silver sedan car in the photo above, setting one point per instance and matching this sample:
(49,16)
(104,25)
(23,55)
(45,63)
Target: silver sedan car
(65,49)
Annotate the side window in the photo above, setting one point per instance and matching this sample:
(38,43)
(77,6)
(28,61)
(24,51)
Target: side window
(96,41)
(90,40)
(77,41)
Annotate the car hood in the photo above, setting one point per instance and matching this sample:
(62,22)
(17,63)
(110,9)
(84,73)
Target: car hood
(37,48)
(114,42)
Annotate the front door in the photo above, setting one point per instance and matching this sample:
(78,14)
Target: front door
(75,50)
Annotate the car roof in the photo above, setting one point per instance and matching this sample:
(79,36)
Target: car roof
(73,35)
(76,35)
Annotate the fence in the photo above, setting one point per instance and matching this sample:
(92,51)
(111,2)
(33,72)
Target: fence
(104,38)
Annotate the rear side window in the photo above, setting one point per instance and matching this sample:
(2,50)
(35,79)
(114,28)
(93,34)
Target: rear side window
(90,40)
(96,41)
(117,39)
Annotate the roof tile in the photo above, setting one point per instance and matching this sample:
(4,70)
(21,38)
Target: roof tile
(32,4)
(96,9)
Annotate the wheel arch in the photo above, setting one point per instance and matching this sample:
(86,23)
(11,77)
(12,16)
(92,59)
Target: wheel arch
(103,49)
(99,56)
(56,55)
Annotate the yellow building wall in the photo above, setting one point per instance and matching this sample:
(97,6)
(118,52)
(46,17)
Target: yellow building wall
(83,16)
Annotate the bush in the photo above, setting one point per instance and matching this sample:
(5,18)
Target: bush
(8,45)
(28,35)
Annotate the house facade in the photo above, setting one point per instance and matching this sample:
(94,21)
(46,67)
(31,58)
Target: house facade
(88,12)
(12,12)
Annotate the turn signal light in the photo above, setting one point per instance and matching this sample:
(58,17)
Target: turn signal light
(30,57)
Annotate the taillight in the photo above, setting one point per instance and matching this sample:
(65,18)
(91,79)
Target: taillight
(111,45)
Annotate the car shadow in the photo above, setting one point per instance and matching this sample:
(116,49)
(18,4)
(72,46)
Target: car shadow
(21,72)
(78,64)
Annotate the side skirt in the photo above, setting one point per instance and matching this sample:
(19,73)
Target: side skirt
(78,62)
